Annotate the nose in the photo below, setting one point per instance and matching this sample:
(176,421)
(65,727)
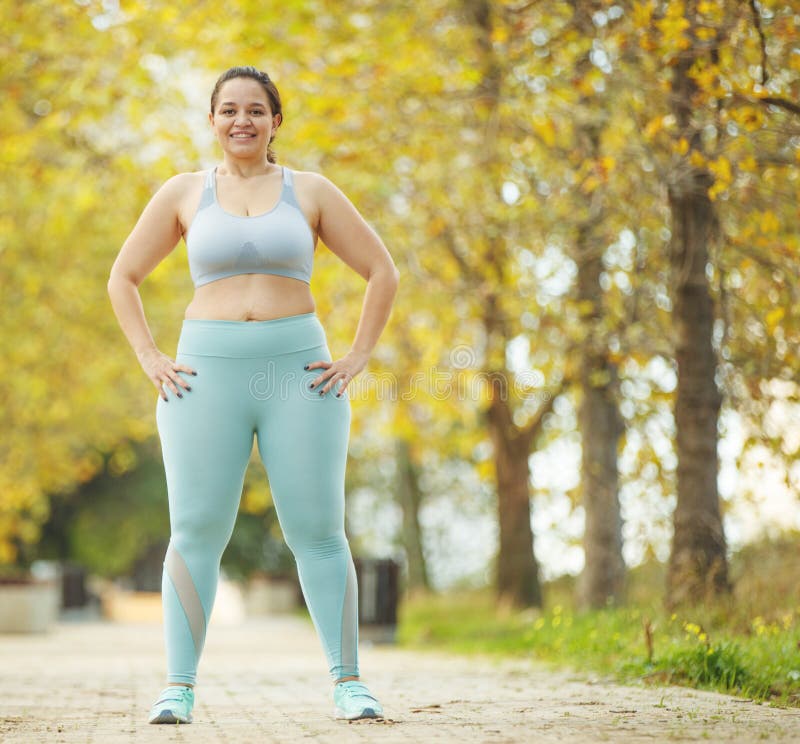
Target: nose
(242,117)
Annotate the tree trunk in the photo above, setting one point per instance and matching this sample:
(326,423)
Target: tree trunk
(517,578)
(409,498)
(604,573)
(517,572)
(698,563)
(602,580)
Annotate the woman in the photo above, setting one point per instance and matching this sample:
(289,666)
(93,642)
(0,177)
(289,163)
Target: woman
(257,357)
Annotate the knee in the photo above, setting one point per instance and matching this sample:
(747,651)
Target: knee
(316,543)
(201,528)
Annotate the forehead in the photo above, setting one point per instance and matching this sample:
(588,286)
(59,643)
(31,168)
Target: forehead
(243,90)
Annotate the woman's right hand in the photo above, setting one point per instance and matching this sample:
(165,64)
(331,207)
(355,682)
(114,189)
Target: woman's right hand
(161,369)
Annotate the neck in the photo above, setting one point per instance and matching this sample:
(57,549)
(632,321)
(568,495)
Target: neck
(247,167)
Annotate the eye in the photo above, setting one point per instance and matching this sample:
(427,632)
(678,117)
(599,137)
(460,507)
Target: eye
(227,111)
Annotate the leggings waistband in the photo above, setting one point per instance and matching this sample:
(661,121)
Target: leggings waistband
(251,339)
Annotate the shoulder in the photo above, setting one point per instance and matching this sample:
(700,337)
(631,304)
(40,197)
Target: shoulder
(182,182)
(176,188)
(309,179)
(321,187)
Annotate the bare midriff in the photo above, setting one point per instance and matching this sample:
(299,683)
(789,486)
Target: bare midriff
(251,297)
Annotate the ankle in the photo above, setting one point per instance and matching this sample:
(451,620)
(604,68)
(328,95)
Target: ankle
(345,679)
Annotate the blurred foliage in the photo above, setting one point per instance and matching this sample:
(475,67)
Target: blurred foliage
(116,523)
(103,102)
(117,519)
(257,548)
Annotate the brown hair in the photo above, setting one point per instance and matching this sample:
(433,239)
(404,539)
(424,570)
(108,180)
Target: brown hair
(273,96)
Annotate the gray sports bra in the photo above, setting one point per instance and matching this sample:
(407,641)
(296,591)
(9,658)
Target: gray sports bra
(220,244)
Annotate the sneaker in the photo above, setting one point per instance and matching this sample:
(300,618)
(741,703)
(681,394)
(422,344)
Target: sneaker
(353,701)
(174,705)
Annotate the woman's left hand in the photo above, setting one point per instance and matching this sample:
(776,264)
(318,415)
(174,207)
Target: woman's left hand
(339,371)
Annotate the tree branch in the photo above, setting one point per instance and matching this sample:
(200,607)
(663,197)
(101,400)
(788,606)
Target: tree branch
(470,274)
(530,430)
(760,30)
(783,103)
(522,8)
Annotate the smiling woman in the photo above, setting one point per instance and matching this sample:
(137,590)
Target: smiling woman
(251,227)
(262,116)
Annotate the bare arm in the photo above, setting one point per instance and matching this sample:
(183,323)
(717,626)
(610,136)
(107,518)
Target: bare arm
(345,232)
(154,236)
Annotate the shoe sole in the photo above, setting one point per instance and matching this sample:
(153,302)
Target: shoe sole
(167,716)
(366,713)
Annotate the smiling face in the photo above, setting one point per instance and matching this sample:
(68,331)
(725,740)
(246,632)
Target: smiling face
(242,119)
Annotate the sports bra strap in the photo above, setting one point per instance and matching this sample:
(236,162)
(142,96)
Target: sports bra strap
(288,187)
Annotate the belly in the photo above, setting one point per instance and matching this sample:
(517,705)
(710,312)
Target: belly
(251,297)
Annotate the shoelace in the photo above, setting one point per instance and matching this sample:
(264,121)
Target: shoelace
(358,689)
(173,693)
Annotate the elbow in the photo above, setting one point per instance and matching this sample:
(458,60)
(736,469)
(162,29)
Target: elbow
(117,277)
(391,279)
(112,283)
(386,273)
(392,275)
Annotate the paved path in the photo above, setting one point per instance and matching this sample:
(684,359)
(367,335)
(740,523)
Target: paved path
(265,681)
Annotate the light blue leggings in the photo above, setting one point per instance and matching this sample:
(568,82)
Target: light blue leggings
(250,380)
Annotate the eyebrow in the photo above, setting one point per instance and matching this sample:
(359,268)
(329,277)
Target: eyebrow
(233,103)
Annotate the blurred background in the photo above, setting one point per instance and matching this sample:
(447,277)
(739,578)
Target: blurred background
(591,366)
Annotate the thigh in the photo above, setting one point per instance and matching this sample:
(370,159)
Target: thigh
(206,441)
(303,440)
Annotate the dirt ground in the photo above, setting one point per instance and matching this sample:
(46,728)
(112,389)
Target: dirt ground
(266,680)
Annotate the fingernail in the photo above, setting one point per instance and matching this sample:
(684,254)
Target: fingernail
(306,367)
(180,395)
(188,387)
(311,385)
(321,392)
(338,395)
(194,373)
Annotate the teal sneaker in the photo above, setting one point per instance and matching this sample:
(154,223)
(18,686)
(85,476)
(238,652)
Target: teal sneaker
(353,701)
(174,705)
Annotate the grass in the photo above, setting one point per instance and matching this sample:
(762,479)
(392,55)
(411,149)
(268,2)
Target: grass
(747,644)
